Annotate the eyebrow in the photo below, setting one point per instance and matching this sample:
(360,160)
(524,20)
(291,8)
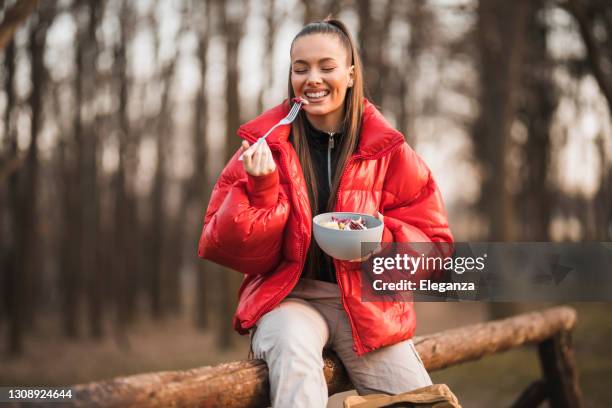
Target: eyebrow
(321,60)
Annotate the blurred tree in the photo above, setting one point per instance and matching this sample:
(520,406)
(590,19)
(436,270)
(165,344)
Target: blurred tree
(403,75)
(501,43)
(23,277)
(8,154)
(87,152)
(272,20)
(78,250)
(373,38)
(159,274)
(124,211)
(13,18)
(537,103)
(11,276)
(201,184)
(232,20)
(314,10)
(594,20)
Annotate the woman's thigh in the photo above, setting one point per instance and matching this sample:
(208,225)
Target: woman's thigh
(392,370)
(293,327)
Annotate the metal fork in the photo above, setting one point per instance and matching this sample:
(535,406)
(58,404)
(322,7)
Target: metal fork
(295,109)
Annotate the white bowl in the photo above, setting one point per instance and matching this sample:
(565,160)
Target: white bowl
(346,244)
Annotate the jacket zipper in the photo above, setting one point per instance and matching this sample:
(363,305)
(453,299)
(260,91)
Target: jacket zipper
(359,345)
(330,146)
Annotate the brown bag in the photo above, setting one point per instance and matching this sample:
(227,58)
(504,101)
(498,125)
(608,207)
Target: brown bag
(432,396)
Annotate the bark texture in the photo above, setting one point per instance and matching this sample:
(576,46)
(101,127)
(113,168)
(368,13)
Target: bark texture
(245,383)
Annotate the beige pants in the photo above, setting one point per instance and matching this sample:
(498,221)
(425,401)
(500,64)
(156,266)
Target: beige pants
(291,338)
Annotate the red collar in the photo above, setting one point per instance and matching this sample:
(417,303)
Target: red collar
(377,137)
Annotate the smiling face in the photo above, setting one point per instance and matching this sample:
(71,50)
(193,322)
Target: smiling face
(321,73)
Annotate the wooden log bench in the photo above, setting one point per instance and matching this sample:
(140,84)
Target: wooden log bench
(245,383)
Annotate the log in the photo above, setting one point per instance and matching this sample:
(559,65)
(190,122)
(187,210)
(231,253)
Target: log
(452,347)
(237,384)
(557,361)
(245,383)
(533,395)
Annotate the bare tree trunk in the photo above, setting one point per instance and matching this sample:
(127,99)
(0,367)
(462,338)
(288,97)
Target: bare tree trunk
(23,188)
(13,18)
(599,57)
(318,10)
(30,199)
(309,12)
(72,244)
(365,37)
(169,272)
(538,104)
(602,202)
(7,245)
(12,283)
(88,169)
(593,16)
(123,224)
(501,42)
(373,37)
(201,184)
(159,219)
(232,26)
(268,58)
(68,233)
(404,76)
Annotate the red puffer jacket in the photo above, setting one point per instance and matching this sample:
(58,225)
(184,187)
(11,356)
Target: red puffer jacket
(261,226)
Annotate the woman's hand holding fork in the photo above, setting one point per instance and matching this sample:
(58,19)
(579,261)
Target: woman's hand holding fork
(257,158)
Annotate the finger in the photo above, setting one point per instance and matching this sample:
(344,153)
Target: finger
(248,157)
(377,250)
(247,162)
(243,147)
(251,150)
(248,152)
(269,159)
(270,165)
(257,157)
(362,259)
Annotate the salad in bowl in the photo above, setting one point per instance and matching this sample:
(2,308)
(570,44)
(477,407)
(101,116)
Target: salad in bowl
(341,234)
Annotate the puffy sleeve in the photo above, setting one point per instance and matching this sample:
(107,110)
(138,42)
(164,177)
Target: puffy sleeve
(245,220)
(412,205)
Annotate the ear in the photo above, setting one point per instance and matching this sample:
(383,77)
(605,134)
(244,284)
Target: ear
(351,75)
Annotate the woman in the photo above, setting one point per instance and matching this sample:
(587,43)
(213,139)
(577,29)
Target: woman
(294,299)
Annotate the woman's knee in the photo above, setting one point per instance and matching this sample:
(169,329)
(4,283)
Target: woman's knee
(293,330)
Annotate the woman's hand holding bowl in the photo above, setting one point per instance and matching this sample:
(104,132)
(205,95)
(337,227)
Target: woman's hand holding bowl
(375,251)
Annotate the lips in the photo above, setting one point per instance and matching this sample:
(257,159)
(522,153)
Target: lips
(317,95)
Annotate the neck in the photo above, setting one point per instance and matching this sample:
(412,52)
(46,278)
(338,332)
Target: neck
(327,123)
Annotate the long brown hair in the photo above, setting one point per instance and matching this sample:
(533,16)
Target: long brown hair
(351,123)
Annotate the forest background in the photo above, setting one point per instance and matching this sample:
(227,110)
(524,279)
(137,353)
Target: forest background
(117,116)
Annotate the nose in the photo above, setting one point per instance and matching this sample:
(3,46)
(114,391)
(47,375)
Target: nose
(313,78)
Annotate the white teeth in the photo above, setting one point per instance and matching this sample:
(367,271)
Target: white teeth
(317,94)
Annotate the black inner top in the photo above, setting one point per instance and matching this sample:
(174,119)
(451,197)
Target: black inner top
(318,142)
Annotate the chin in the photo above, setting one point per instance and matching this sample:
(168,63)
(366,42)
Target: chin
(319,111)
